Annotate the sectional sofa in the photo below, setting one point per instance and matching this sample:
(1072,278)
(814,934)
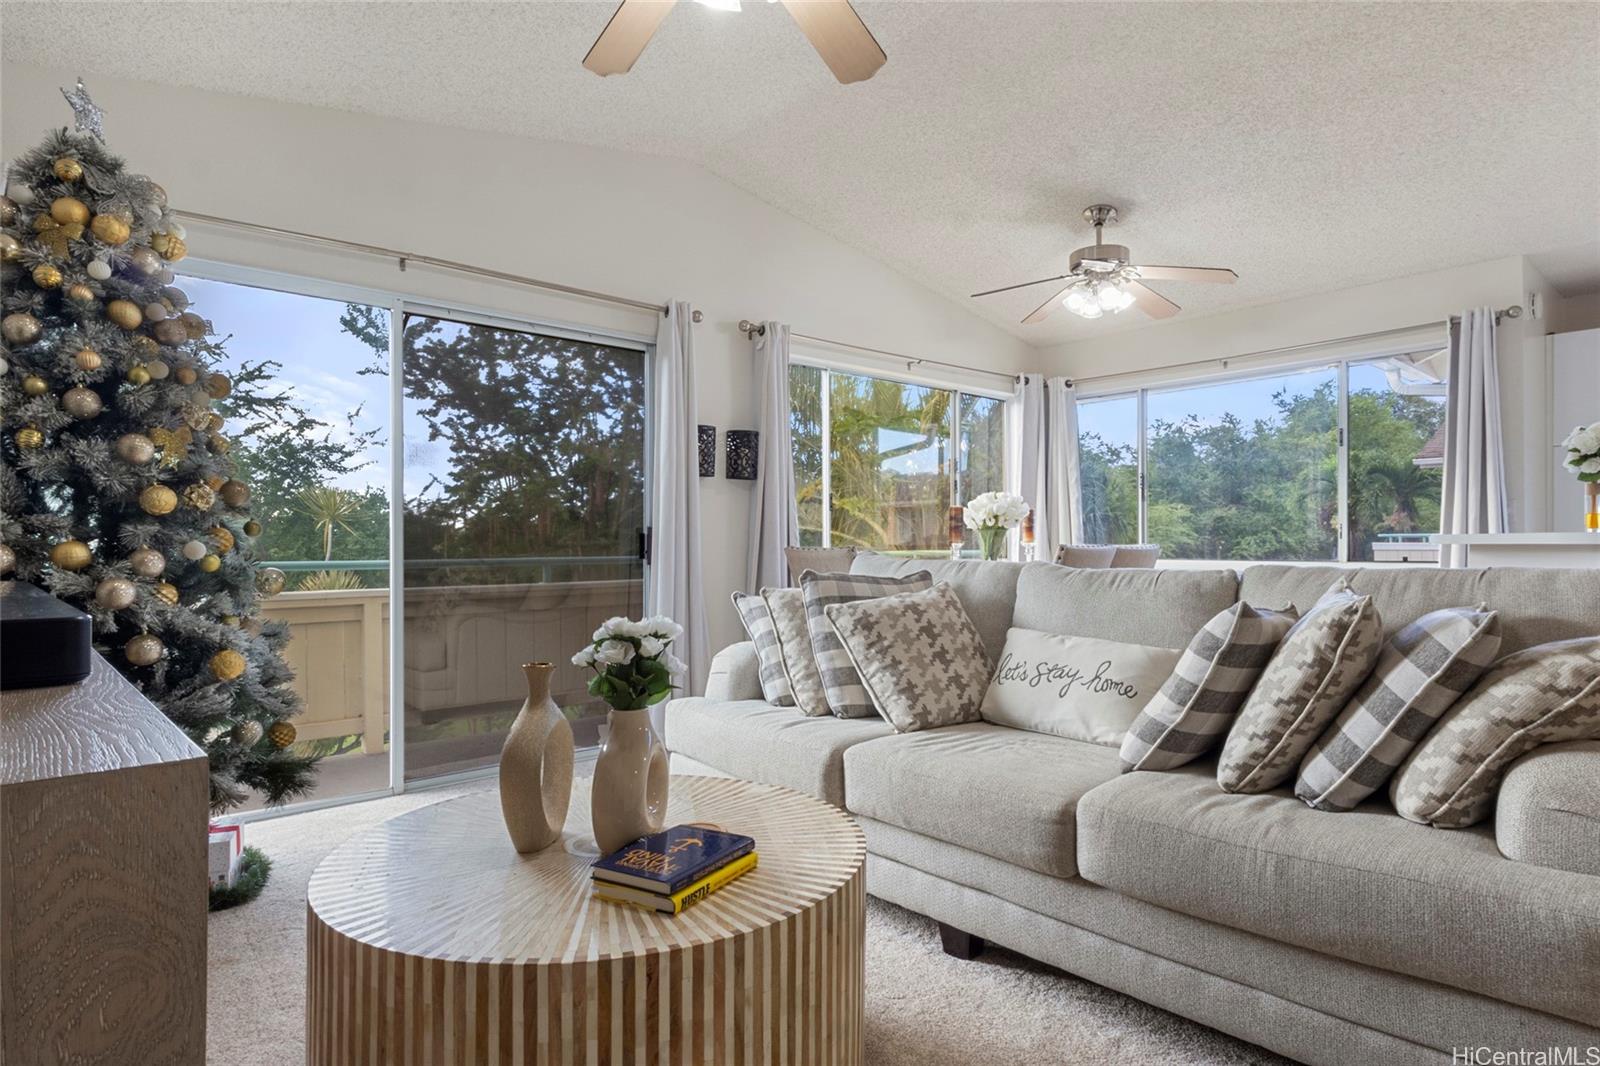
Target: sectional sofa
(1332,938)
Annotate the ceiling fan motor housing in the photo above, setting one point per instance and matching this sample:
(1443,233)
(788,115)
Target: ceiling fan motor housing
(1095,254)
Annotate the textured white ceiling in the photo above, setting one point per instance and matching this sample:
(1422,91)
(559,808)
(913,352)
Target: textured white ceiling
(1309,146)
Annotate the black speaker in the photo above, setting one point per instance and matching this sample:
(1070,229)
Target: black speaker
(43,641)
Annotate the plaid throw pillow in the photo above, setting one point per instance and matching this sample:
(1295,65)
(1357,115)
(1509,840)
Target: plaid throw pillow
(841,683)
(757,619)
(1196,705)
(1421,672)
(918,654)
(794,647)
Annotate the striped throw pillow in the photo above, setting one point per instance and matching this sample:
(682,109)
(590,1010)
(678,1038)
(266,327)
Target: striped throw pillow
(1421,671)
(794,645)
(1195,707)
(847,697)
(757,619)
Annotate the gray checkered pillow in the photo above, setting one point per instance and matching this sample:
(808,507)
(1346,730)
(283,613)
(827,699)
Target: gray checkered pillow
(1421,671)
(841,682)
(794,644)
(757,619)
(919,656)
(1195,707)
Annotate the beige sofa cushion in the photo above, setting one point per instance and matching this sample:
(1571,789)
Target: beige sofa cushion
(1162,608)
(1002,792)
(1367,886)
(1548,811)
(773,745)
(987,590)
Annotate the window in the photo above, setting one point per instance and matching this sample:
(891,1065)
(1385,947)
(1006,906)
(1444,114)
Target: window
(878,463)
(1327,463)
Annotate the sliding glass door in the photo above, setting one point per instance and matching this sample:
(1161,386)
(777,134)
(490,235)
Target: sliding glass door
(524,519)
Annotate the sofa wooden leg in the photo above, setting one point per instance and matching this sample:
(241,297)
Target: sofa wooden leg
(962,945)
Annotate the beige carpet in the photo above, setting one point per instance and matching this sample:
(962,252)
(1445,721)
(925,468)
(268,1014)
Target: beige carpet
(923,1007)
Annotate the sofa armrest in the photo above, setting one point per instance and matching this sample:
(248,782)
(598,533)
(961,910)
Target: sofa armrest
(1548,811)
(735,673)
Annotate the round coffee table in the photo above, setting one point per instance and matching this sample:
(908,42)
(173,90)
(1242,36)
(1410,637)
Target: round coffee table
(431,941)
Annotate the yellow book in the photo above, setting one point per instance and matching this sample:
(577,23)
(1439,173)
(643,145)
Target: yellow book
(676,902)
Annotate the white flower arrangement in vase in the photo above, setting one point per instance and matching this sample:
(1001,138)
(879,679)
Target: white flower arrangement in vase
(993,515)
(1583,459)
(633,665)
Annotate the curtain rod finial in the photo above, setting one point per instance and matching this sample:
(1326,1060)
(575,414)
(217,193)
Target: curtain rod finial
(697,316)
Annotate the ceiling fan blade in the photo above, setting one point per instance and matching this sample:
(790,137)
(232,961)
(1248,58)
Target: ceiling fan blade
(1043,311)
(1024,285)
(1219,275)
(619,45)
(1150,301)
(840,37)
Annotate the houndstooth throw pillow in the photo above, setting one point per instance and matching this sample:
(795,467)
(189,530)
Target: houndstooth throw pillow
(788,612)
(757,619)
(846,696)
(918,655)
(1312,675)
(1420,673)
(1540,695)
(1196,705)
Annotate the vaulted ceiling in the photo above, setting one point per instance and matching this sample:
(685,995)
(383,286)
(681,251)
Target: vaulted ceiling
(1309,146)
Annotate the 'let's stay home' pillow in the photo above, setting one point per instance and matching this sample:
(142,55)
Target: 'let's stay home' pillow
(1081,688)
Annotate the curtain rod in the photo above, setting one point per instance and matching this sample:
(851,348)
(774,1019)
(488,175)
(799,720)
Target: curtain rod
(427,260)
(1514,311)
(755,329)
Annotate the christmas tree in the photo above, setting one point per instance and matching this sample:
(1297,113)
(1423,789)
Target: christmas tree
(117,493)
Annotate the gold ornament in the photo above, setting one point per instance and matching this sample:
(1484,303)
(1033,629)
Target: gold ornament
(218,386)
(67,169)
(235,493)
(210,563)
(29,437)
(169,331)
(170,246)
(34,385)
(70,555)
(199,496)
(270,581)
(8,210)
(231,620)
(135,448)
(46,276)
(247,734)
(167,594)
(215,481)
(174,443)
(222,537)
(145,347)
(193,325)
(197,417)
(144,261)
(281,734)
(147,562)
(111,229)
(125,313)
(220,444)
(115,593)
(214,423)
(138,376)
(69,210)
(8,559)
(252,528)
(80,402)
(80,293)
(20,328)
(10,248)
(87,359)
(143,650)
(227,665)
(186,375)
(158,500)
(158,369)
(56,236)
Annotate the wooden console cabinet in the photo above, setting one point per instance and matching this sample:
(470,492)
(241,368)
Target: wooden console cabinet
(103,884)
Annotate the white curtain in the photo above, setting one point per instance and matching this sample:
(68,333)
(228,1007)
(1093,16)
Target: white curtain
(1066,491)
(1027,464)
(1474,450)
(774,523)
(676,582)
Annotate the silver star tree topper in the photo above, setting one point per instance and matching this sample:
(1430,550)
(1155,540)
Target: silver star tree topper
(84,109)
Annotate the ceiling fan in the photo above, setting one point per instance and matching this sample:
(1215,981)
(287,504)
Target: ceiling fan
(832,26)
(1102,279)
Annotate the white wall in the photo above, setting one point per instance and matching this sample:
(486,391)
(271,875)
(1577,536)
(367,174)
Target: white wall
(641,226)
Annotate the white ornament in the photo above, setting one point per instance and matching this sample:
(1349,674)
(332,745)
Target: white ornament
(195,550)
(20,193)
(5,367)
(155,312)
(157,369)
(167,277)
(99,269)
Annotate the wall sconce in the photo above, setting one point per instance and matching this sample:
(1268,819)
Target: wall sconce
(741,446)
(708,451)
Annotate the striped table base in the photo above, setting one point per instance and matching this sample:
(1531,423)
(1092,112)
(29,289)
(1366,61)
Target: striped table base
(431,941)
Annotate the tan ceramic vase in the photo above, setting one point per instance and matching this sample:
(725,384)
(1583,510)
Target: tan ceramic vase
(629,798)
(536,767)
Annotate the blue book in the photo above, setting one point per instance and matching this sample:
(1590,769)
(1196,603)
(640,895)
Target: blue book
(671,860)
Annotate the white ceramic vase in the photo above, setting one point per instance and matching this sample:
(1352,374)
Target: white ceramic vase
(629,798)
(536,767)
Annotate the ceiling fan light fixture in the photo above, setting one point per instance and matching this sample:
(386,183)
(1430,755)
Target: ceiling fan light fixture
(720,5)
(1083,301)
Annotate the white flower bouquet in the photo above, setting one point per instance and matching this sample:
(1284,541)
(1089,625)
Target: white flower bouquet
(992,514)
(633,663)
(1583,452)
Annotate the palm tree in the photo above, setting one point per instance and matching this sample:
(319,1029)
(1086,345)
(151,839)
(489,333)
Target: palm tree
(1408,484)
(327,507)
